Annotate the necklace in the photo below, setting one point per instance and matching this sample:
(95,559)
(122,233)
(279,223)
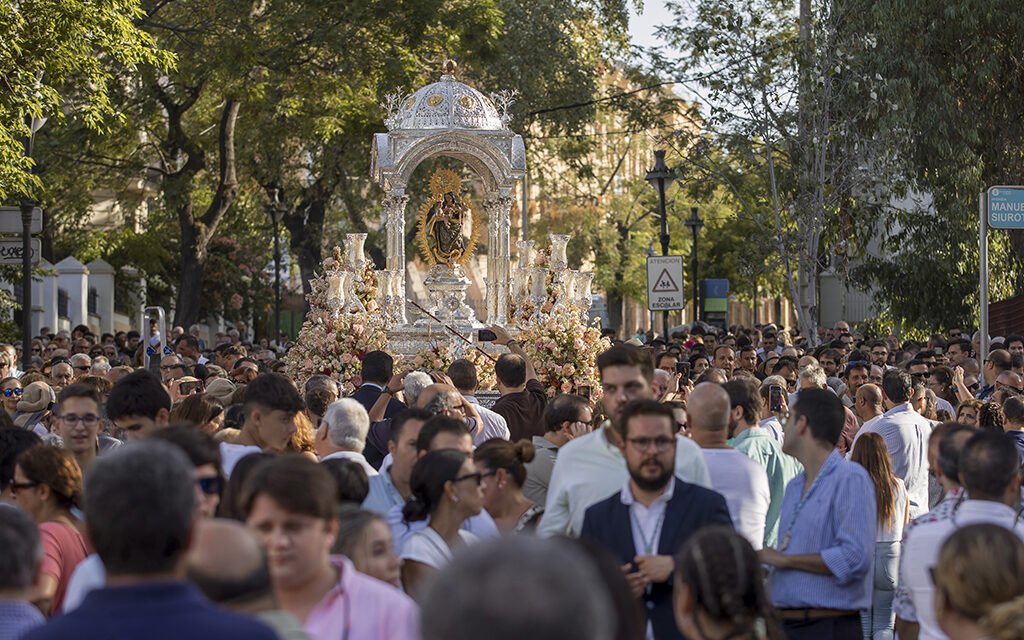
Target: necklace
(788,535)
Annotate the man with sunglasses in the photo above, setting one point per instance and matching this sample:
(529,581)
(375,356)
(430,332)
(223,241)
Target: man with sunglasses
(82,364)
(644,524)
(998,361)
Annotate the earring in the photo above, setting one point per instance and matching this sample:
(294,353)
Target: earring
(501,485)
(455,498)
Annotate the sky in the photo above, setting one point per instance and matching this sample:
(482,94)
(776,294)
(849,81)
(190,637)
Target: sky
(641,26)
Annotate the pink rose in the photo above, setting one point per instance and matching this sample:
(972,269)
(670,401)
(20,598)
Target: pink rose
(566,387)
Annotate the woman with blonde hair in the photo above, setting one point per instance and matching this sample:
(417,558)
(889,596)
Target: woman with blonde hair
(893,511)
(979,584)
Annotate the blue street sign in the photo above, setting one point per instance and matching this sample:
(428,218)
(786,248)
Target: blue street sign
(1006,207)
(716,288)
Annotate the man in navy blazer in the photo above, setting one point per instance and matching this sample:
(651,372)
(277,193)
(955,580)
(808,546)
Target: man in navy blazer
(377,369)
(646,523)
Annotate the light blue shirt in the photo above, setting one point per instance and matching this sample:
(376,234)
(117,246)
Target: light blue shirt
(383,496)
(385,500)
(837,521)
(18,618)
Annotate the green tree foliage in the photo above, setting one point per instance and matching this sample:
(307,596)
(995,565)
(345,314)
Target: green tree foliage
(277,102)
(955,75)
(60,57)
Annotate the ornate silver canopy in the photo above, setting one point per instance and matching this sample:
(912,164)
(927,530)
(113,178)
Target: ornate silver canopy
(450,118)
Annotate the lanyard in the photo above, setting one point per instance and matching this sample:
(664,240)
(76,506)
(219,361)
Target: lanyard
(649,545)
(788,535)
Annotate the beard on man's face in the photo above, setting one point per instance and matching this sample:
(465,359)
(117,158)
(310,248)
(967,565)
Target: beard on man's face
(650,482)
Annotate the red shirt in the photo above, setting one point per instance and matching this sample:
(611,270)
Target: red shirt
(63,549)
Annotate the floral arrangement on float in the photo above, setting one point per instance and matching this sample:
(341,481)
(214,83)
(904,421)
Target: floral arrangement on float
(441,355)
(553,319)
(564,350)
(343,324)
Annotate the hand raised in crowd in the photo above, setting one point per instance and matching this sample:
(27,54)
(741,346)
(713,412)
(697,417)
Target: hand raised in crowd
(440,377)
(958,375)
(397,382)
(578,429)
(502,335)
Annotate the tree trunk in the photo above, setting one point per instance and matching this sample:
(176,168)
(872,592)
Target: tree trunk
(196,233)
(305,225)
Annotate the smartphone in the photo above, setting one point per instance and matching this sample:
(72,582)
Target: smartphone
(683,369)
(584,391)
(486,335)
(775,398)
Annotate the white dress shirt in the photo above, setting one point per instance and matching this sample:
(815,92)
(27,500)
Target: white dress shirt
(744,484)
(589,469)
(358,458)
(495,425)
(921,551)
(906,433)
(646,524)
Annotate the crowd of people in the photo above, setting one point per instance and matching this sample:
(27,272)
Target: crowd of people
(738,485)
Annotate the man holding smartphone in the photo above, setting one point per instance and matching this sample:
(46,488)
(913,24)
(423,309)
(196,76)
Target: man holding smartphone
(523,397)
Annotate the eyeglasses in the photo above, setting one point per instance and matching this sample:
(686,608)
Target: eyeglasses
(791,384)
(82,367)
(71,419)
(210,486)
(477,477)
(15,487)
(168,367)
(36,349)
(661,443)
(13,392)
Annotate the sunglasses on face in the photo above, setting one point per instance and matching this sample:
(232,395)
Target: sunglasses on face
(210,486)
(15,487)
(476,477)
(13,392)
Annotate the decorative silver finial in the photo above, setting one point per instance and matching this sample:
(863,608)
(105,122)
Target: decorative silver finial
(503,101)
(450,67)
(391,104)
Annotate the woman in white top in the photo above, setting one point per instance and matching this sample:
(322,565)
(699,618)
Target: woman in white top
(893,512)
(446,490)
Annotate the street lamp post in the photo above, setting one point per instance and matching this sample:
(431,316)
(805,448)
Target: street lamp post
(274,212)
(695,224)
(27,206)
(661,178)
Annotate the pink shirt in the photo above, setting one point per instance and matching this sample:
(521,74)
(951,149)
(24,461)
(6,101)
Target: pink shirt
(363,608)
(63,549)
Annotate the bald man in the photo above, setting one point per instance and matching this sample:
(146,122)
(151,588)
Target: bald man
(1008,385)
(868,405)
(743,482)
(229,566)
